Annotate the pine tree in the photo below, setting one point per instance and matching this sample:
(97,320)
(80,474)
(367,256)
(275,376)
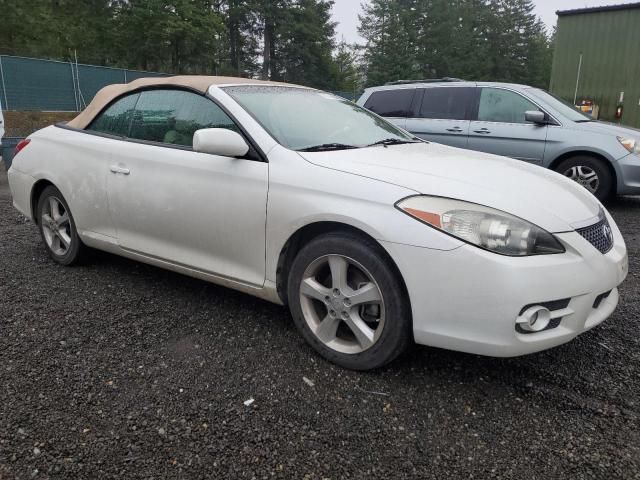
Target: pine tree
(305,44)
(498,40)
(347,77)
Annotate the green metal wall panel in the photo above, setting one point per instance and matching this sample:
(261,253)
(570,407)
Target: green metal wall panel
(609,42)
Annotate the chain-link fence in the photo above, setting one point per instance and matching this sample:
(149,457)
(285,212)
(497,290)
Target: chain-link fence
(49,85)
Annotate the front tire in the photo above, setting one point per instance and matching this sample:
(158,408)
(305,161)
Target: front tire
(592,173)
(58,228)
(348,303)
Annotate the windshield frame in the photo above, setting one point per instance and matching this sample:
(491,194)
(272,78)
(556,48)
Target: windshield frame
(401,133)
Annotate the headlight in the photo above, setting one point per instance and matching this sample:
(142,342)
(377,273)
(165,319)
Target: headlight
(630,144)
(482,226)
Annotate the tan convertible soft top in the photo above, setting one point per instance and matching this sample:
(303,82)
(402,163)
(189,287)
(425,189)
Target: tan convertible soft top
(200,83)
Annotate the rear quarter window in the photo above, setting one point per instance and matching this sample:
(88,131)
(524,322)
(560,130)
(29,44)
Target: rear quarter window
(116,119)
(391,103)
(446,103)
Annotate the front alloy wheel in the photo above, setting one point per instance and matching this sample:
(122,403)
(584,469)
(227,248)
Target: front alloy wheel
(585,176)
(342,304)
(348,302)
(590,172)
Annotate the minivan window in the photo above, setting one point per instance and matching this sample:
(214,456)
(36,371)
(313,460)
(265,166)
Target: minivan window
(173,116)
(499,105)
(391,103)
(565,108)
(116,119)
(448,103)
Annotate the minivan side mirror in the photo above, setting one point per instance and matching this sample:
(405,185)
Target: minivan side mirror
(535,116)
(220,141)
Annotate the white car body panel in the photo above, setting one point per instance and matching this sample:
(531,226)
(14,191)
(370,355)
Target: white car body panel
(228,221)
(188,221)
(538,195)
(1,124)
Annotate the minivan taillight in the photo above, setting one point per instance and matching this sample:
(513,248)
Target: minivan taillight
(21,144)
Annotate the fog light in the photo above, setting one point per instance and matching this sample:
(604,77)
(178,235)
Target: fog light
(534,319)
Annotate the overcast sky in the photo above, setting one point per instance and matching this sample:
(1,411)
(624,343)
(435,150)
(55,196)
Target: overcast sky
(345,12)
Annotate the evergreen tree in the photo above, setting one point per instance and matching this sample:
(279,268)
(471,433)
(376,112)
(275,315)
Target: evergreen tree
(499,40)
(305,43)
(347,75)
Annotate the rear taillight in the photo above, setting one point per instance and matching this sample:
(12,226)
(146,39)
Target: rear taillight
(21,144)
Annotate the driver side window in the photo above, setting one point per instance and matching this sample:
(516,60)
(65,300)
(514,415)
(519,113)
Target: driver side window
(173,116)
(504,106)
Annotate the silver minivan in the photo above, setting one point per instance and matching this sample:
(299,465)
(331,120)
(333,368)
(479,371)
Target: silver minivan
(517,121)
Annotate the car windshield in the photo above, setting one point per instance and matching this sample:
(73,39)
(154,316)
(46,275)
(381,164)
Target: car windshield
(565,108)
(305,119)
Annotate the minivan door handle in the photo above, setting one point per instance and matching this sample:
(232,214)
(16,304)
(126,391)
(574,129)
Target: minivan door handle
(483,131)
(119,169)
(454,129)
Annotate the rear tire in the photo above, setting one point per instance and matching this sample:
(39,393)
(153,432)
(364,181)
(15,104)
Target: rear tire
(348,302)
(58,228)
(592,173)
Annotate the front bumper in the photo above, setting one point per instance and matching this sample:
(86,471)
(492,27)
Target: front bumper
(468,299)
(628,175)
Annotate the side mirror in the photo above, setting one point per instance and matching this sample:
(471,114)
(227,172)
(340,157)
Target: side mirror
(220,141)
(535,116)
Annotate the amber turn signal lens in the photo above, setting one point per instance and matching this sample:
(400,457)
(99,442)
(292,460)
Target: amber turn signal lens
(430,218)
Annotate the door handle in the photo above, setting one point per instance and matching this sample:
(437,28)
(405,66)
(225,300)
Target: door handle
(119,169)
(483,131)
(455,130)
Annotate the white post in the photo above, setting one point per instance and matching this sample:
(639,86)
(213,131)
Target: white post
(4,88)
(75,91)
(575,96)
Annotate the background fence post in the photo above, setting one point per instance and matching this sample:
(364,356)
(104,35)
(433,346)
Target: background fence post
(4,88)
(73,81)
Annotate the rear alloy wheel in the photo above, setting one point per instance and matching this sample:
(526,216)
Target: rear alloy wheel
(589,172)
(347,302)
(58,228)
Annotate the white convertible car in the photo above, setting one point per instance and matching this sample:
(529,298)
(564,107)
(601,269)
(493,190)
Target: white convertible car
(372,237)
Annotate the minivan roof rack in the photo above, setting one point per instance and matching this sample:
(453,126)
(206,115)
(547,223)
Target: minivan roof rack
(428,80)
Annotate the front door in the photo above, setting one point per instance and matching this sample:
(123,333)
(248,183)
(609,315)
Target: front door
(201,211)
(501,128)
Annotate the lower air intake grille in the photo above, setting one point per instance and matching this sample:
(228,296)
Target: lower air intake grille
(599,235)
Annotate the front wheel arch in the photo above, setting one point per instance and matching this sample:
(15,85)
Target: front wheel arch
(307,233)
(596,156)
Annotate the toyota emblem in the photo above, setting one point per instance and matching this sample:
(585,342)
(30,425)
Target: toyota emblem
(606,231)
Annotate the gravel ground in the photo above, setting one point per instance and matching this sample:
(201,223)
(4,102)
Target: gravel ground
(120,370)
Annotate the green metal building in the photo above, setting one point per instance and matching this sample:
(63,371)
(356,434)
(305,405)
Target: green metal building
(597,59)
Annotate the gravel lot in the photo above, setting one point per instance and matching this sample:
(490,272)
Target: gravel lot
(120,370)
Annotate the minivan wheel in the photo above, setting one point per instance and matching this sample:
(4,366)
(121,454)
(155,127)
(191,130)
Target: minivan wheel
(58,229)
(347,302)
(591,173)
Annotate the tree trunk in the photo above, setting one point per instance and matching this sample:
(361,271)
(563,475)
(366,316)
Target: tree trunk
(268,49)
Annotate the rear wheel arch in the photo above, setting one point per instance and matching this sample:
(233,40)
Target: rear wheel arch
(587,153)
(307,233)
(36,191)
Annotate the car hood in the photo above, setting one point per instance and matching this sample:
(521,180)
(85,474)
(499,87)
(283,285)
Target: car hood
(607,128)
(533,193)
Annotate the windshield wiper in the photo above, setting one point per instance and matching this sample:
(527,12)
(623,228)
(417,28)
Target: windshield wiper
(326,147)
(586,120)
(392,141)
